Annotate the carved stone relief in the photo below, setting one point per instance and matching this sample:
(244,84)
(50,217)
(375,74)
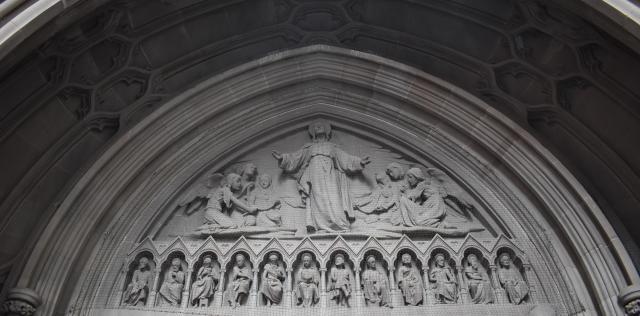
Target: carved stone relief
(321,189)
(127,58)
(321,219)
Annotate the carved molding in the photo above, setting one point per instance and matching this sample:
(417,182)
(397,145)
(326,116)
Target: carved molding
(20,302)
(630,299)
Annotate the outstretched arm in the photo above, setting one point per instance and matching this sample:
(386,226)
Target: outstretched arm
(242,205)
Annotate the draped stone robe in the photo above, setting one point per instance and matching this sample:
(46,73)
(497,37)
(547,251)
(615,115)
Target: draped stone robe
(306,289)
(205,284)
(240,282)
(513,283)
(410,283)
(321,172)
(272,278)
(423,205)
(445,284)
(479,284)
(376,287)
(171,289)
(138,290)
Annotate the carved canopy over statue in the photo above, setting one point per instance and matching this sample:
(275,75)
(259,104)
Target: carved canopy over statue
(245,201)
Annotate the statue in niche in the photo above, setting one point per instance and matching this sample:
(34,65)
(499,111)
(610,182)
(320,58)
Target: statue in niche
(262,198)
(409,280)
(171,289)
(383,199)
(340,278)
(138,289)
(239,282)
(272,277)
(445,285)
(322,170)
(222,200)
(478,281)
(511,280)
(206,282)
(307,281)
(375,283)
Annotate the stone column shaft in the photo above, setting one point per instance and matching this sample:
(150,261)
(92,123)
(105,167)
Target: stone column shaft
(253,295)
(154,289)
(288,292)
(464,290)
(187,286)
(218,296)
(359,297)
(323,288)
(428,298)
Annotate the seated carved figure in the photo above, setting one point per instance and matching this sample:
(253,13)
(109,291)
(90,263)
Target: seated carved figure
(138,289)
(511,280)
(422,203)
(171,290)
(340,278)
(307,281)
(445,285)
(239,282)
(267,206)
(222,201)
(380,202)
(205,284)
(409,280)
(478,281)
(375,284)
(272,278)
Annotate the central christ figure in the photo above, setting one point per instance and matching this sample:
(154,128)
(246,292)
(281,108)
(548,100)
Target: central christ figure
(321,170)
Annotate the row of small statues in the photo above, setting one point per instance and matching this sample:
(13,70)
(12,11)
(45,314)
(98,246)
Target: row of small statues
(375,284)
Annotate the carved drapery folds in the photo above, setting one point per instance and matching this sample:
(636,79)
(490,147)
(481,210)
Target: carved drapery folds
(321,189)
(355,274)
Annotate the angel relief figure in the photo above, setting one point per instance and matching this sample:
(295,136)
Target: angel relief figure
(423,204)
(321,170)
